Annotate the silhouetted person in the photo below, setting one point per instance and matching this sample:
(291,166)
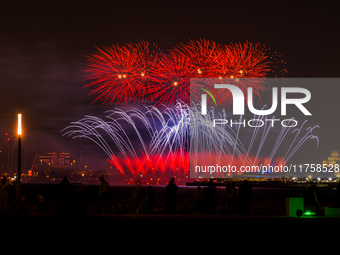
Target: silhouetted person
(227,190)
(136,196)
(310,199)
(227,187)
(4,187)
(199,199)
(11,197)
(149,201)
(171,196)
(231,197)
(244,197)
(210,198)
(104,195)
(65,195)
(40,203)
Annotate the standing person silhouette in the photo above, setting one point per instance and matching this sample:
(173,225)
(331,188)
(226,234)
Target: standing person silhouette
(210,198)
(310,199)
(149,199)
(65,195)
(104,195)
(11,197)
(136,196)
(4,187)
(171,196)
(244,197)
(231,198)
(199,200)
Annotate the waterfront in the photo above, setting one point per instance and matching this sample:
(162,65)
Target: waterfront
(127,198)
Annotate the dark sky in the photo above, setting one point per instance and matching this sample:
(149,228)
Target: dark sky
(43,46)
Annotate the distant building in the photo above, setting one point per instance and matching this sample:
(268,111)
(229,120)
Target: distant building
(327,169)
(8,157)
(55,160)
(333,161)
(54,164)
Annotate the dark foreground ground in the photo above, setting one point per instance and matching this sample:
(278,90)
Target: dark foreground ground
(172,234)
(127,199)
(84,230)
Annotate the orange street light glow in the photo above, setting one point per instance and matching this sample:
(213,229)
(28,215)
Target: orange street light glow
(19,124)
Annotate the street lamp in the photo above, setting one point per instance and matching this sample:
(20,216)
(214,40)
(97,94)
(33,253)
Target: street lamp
(19,163)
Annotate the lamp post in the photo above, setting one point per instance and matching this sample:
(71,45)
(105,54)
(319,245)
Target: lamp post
(19,164)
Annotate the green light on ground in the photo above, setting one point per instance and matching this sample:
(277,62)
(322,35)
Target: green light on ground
(309,213)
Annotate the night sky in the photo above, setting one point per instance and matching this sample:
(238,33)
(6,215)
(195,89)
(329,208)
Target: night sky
(43,46)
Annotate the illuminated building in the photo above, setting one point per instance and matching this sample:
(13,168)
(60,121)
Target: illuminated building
(333,161)
(325,170)
(55,160)
(51,164)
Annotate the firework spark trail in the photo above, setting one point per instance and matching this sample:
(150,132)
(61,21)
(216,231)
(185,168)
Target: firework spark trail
(306,137)
(251,143)
(165,142)
(235,142)
(206,139)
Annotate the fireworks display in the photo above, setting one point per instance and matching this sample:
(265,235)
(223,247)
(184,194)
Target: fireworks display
(120,74)
(159,147)
(157,143)
(137,73)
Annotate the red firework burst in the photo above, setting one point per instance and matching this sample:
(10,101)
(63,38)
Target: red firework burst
(120,74)
(174,73)
(135,73)
(203,54)
(245,60)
